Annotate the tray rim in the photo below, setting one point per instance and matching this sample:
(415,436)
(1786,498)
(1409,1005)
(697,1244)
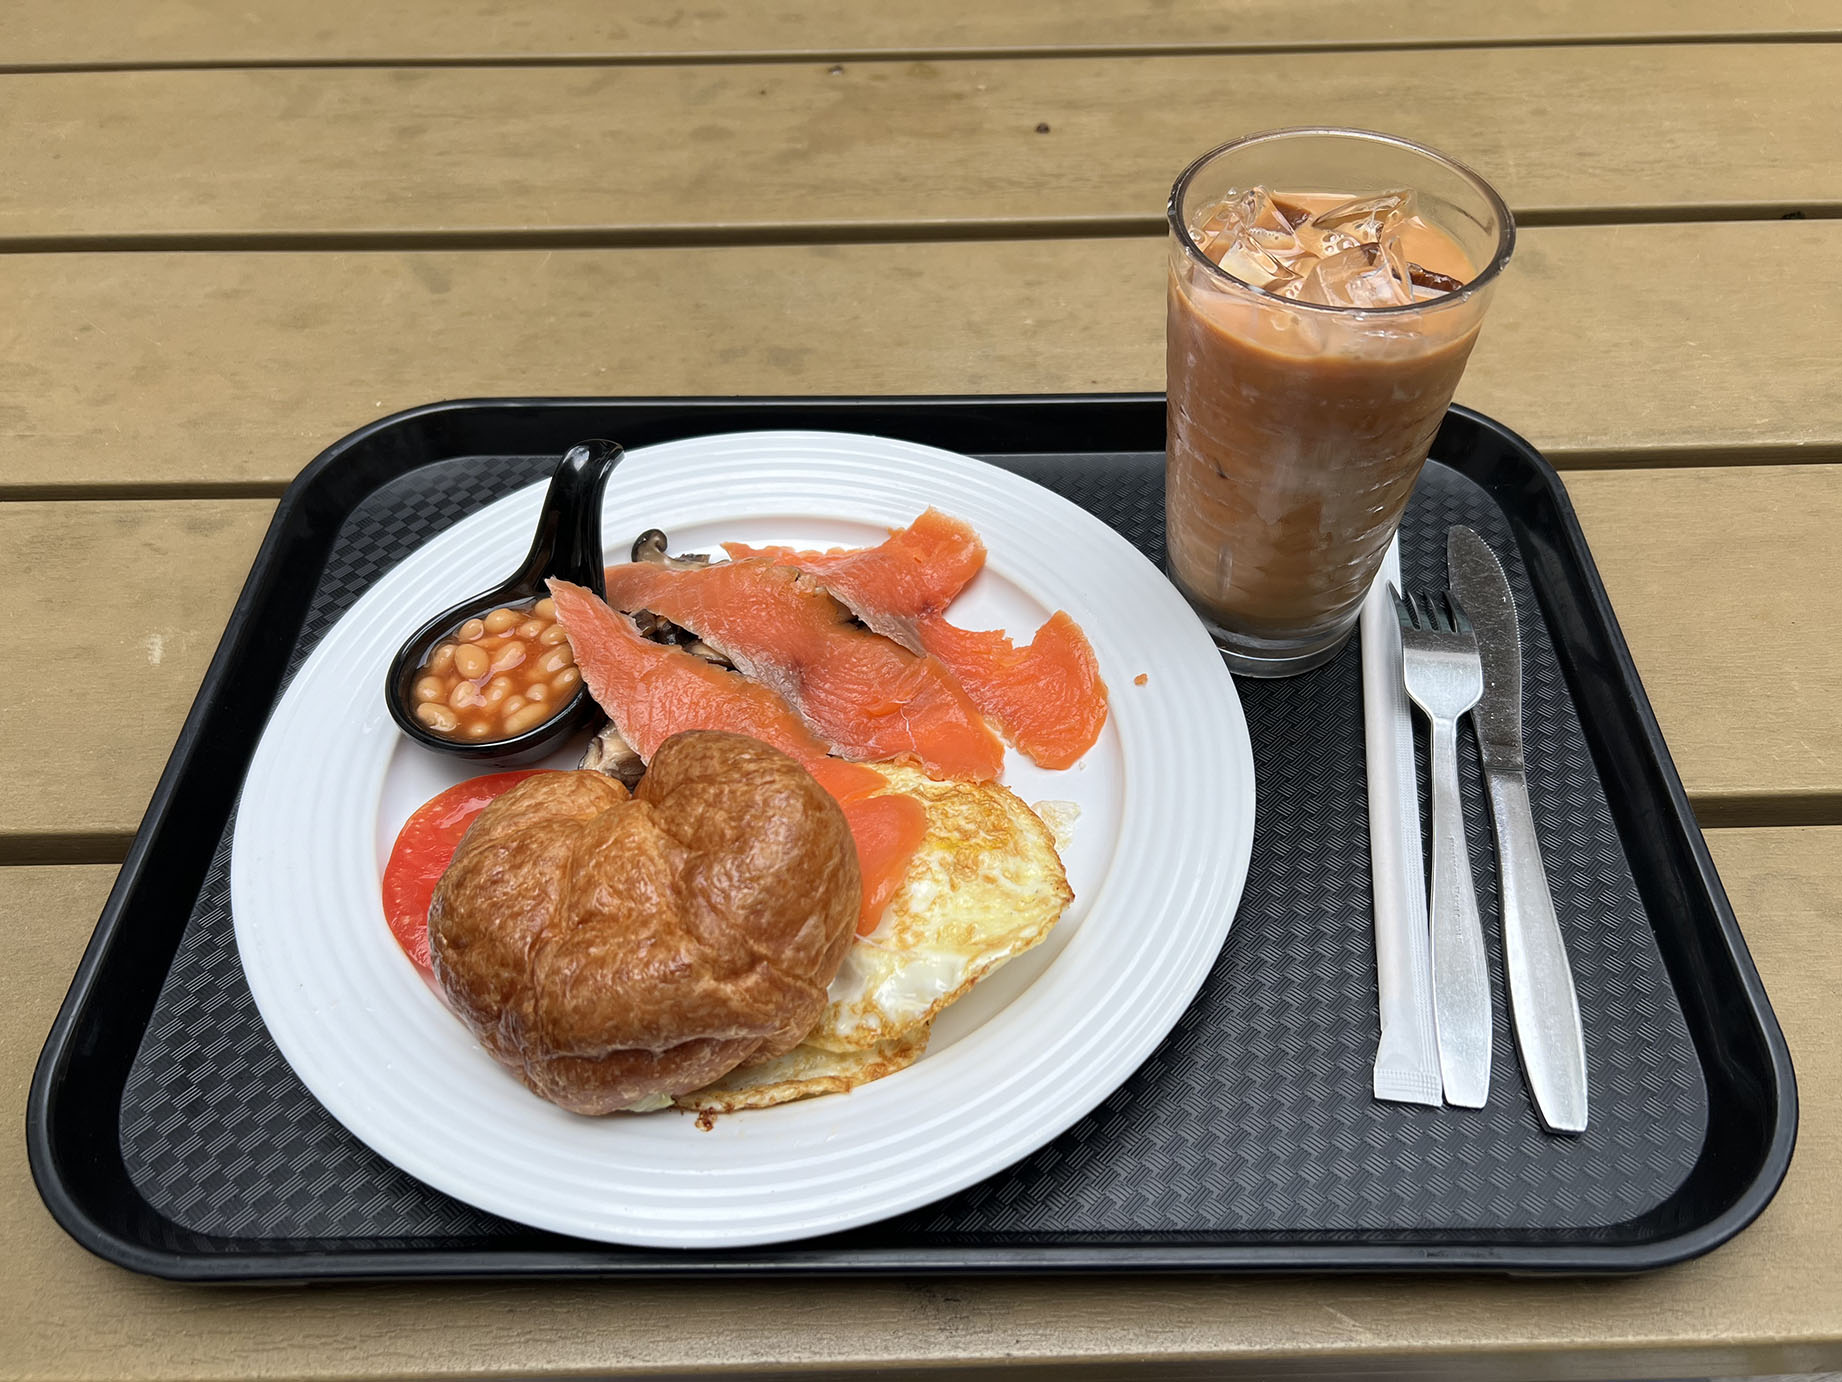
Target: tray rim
(1423,1251)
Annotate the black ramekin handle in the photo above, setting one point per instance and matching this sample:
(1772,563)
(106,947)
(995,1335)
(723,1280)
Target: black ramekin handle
(568,540)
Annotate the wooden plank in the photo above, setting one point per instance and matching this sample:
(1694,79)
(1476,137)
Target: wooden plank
(722,152)
(1728,584)
(217,31)
(1695,561)
(176,372)
(1761,1304)
(144,592)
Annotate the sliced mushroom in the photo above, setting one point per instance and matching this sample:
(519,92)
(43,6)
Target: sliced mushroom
(609,753)
(656,627)
(698,648)
(661,630)
(650,547)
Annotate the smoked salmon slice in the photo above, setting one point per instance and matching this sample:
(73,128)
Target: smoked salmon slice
(892,586)
(651,692)
(871,698)
(1047,697)
(888,828)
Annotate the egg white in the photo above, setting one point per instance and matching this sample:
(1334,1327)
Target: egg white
(984,886)
(803,1072)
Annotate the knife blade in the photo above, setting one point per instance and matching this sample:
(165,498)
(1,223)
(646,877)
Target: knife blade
(1544,1009)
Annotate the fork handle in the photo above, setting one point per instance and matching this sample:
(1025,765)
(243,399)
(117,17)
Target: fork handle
(1461,984)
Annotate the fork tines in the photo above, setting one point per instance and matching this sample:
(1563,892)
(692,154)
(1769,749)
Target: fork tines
(1436,613)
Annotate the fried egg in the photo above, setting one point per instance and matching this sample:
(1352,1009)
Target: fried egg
(803,1072)
(984,886)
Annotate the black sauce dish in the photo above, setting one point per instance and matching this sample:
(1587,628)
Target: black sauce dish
(567,545)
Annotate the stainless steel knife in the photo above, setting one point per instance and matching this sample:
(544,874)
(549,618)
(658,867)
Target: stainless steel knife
(1543,1007)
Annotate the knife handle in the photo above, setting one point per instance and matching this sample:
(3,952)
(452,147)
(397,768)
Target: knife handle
(1461,983)
(1542,1003)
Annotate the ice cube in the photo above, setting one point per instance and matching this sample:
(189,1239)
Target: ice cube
(1250,238)
(1220,221)
(1348,256)
(1357,247)
(1258,209)
(1364,276)
(1320,243)
(1366,219)
(1395,257)
(1270,228)
(1251,264)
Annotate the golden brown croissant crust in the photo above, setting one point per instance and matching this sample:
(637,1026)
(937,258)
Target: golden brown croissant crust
(612,948)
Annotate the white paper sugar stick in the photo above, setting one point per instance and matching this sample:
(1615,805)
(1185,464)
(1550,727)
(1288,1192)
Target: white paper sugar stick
(1407,1059)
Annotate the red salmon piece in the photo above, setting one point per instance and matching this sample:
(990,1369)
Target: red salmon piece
(1046,697)
(868,696)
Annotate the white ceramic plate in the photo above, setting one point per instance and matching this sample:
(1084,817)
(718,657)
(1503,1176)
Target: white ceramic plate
(1159,855)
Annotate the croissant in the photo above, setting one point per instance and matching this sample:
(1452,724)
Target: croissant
(615,950)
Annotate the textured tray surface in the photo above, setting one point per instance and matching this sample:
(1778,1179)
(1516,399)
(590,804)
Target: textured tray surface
(1254,1118)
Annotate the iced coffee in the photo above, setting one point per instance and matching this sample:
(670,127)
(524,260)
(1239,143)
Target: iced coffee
(1318,326)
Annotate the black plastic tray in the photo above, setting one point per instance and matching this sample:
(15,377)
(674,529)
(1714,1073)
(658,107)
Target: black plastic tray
(167,1135)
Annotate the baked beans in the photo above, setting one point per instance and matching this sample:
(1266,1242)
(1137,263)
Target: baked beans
(497,676)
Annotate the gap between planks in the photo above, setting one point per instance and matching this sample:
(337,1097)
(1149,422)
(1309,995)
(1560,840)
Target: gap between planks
(790,234)
(27,851)
(692,58)
(1660,458)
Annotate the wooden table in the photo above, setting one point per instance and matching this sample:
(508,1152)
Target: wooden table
(235,232)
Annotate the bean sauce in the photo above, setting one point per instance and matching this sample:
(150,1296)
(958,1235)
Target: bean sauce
(498,676)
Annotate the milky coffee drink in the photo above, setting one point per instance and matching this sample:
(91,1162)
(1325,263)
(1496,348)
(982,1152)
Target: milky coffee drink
(1314,341)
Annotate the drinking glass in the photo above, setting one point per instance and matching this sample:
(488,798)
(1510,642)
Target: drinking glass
(1296,429)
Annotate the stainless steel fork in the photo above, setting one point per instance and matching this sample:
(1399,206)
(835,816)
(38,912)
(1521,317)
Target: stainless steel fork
(1445,678)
